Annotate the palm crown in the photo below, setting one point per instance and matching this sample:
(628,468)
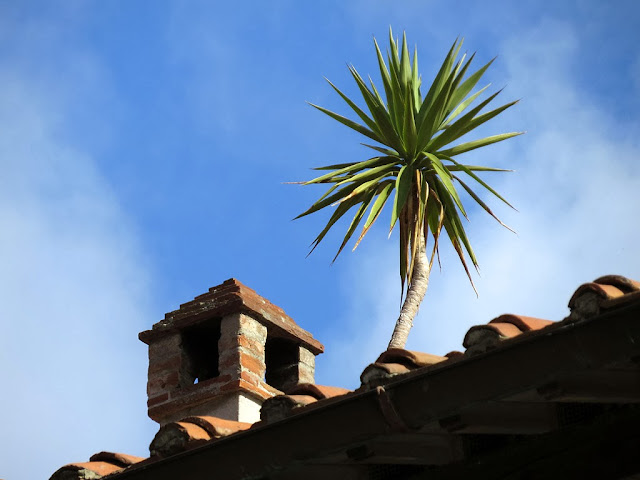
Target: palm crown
(415,139)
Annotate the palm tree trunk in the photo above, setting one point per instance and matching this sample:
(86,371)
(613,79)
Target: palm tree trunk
(415,295)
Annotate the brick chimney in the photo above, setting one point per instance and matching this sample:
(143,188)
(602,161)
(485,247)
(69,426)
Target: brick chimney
(223,354)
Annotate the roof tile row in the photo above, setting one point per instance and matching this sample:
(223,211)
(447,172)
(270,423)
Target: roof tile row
(590,299)
(99,465)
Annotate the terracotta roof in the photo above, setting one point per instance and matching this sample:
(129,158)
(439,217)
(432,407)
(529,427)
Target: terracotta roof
(396,361)
(191,432)
(481,338)
(551,402)
(281,406)
(590,299)
(602,294)
(319,392)
(508,331)
(99,465)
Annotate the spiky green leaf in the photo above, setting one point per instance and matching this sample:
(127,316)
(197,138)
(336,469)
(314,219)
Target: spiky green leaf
(416,137)
(403,187)
(483,142)
(350,123)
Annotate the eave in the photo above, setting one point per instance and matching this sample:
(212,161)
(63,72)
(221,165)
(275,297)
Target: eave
(517,397)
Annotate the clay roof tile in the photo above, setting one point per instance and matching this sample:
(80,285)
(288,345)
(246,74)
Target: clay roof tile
(455,354)
(525,324)
(177,437)
(319,392)
(217,427)
(502,329)
(120,459)
(390,368)
(409,358)
(605,292)
(481,338)
(627,285)
(393,362)
(85,471)
(380,373)
(279,407)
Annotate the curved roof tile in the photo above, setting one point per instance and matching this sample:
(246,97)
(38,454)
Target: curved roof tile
(604,291)
(319,392)
(85,471)
(176,437)
(409,358)
(121,459)
(279,407)
(393,362)
(609,291)
(302,395)
(627,285)
(379,373)
(525,324)
(217,427)
(481,338)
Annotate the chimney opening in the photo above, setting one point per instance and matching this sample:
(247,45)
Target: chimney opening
(281,359)
(200,352)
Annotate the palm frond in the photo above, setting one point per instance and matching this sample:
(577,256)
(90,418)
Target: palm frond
(416,137)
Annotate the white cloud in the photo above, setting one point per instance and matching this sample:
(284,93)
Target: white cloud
(577,193)
(74,295)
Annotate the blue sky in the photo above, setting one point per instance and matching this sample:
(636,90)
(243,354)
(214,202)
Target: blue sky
(143,152)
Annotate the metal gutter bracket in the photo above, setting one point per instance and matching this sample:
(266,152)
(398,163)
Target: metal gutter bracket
(393,421)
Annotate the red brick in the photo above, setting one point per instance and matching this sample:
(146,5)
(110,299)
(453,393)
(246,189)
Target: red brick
(254,389)
(252,364)
(252,378)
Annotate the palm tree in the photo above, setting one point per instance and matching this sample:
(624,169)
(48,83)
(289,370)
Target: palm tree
(416,143)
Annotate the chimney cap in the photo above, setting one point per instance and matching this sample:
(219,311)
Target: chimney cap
(227,298)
